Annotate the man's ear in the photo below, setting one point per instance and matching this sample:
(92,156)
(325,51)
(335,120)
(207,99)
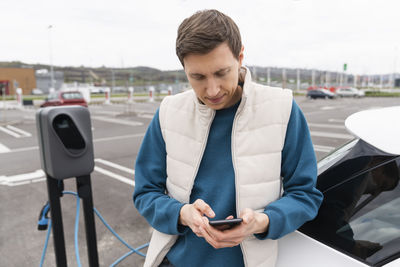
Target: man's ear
(241,55)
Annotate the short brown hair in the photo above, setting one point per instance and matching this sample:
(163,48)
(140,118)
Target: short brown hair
(204,31)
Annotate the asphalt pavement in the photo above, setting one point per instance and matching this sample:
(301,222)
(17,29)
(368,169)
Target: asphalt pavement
(118,130)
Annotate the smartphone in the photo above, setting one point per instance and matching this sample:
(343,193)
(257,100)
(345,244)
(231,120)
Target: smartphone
(225,224)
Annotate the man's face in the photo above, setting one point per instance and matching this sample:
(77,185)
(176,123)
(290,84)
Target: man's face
(214,76)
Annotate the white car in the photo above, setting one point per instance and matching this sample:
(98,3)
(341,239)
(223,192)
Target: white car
(351,92)
(36,91)
(358,223)
(97,90)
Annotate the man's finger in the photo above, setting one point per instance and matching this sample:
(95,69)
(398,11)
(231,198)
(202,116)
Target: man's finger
(209,229)
(247,215)
(216,244)
(204,208)
(197,232)
(215,232)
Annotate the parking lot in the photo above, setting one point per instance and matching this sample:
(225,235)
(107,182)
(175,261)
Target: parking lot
(117,133)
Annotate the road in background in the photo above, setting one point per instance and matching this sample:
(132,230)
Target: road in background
(118,130)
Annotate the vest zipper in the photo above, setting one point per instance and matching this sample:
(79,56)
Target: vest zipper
(234,170)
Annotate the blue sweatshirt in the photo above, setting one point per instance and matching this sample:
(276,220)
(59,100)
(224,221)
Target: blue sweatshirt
(215,184)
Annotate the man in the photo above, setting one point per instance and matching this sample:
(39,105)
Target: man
(219,151)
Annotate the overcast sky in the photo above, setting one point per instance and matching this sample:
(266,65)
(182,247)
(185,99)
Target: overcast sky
(321,34)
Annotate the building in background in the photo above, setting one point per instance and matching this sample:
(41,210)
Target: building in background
(397,82)
(43,80)
(13,78)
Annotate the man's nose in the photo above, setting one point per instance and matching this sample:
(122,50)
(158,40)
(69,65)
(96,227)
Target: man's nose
(212,88)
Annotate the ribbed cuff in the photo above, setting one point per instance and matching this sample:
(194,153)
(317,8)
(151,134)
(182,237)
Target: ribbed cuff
(180,229)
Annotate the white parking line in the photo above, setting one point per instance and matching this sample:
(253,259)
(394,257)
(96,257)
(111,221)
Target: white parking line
(322,125)
(118,137)
(328,108)
(107,112)
(7,131)
(146,116)
(331,135)
(39,175)
(118,121)
(22,149)
(105,139)
(29,117)
(22,132)
(323,148)
(336,120)
(115,176)
(116,166)
(4,149)
(25,178)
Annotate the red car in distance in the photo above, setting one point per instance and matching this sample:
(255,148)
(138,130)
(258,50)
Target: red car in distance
(64,98)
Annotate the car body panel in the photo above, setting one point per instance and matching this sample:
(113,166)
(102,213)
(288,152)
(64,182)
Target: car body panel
(395,263)
(359,213)
(300,250)
(358,223)
(350,92)
(385,120)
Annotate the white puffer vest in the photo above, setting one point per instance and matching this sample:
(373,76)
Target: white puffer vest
(258,136)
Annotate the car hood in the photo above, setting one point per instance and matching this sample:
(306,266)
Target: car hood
(378,127)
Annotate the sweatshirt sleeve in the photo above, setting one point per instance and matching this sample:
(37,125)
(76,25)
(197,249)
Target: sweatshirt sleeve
(160,210)
(300,200)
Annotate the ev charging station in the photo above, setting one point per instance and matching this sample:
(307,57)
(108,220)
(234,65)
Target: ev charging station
(66,151)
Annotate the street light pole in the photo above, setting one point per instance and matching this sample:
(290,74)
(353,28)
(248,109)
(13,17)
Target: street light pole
(51,58)
(394,67)
(298,80)
(283,78)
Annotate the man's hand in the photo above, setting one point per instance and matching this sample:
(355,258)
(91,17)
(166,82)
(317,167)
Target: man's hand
(253,223)
(192,215)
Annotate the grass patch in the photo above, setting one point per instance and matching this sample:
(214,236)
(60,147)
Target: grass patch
(299,93)
(382,94)
(8,97)
(125,95)
(32,97)
(104,95)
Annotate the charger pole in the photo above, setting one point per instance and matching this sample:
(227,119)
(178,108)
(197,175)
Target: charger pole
(84,188)
(55,192)
(72,157)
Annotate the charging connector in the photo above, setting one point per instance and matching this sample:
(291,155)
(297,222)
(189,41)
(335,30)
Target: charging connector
(43,220)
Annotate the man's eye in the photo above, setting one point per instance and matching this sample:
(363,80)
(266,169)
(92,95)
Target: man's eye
(222,74)
(198,77)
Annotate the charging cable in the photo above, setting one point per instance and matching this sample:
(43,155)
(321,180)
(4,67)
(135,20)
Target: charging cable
(44,222)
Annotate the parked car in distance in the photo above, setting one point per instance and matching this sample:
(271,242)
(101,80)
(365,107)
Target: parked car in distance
(358,223)
(37,91)
(64,98)
(97,90)
(320,93)
(350,92)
